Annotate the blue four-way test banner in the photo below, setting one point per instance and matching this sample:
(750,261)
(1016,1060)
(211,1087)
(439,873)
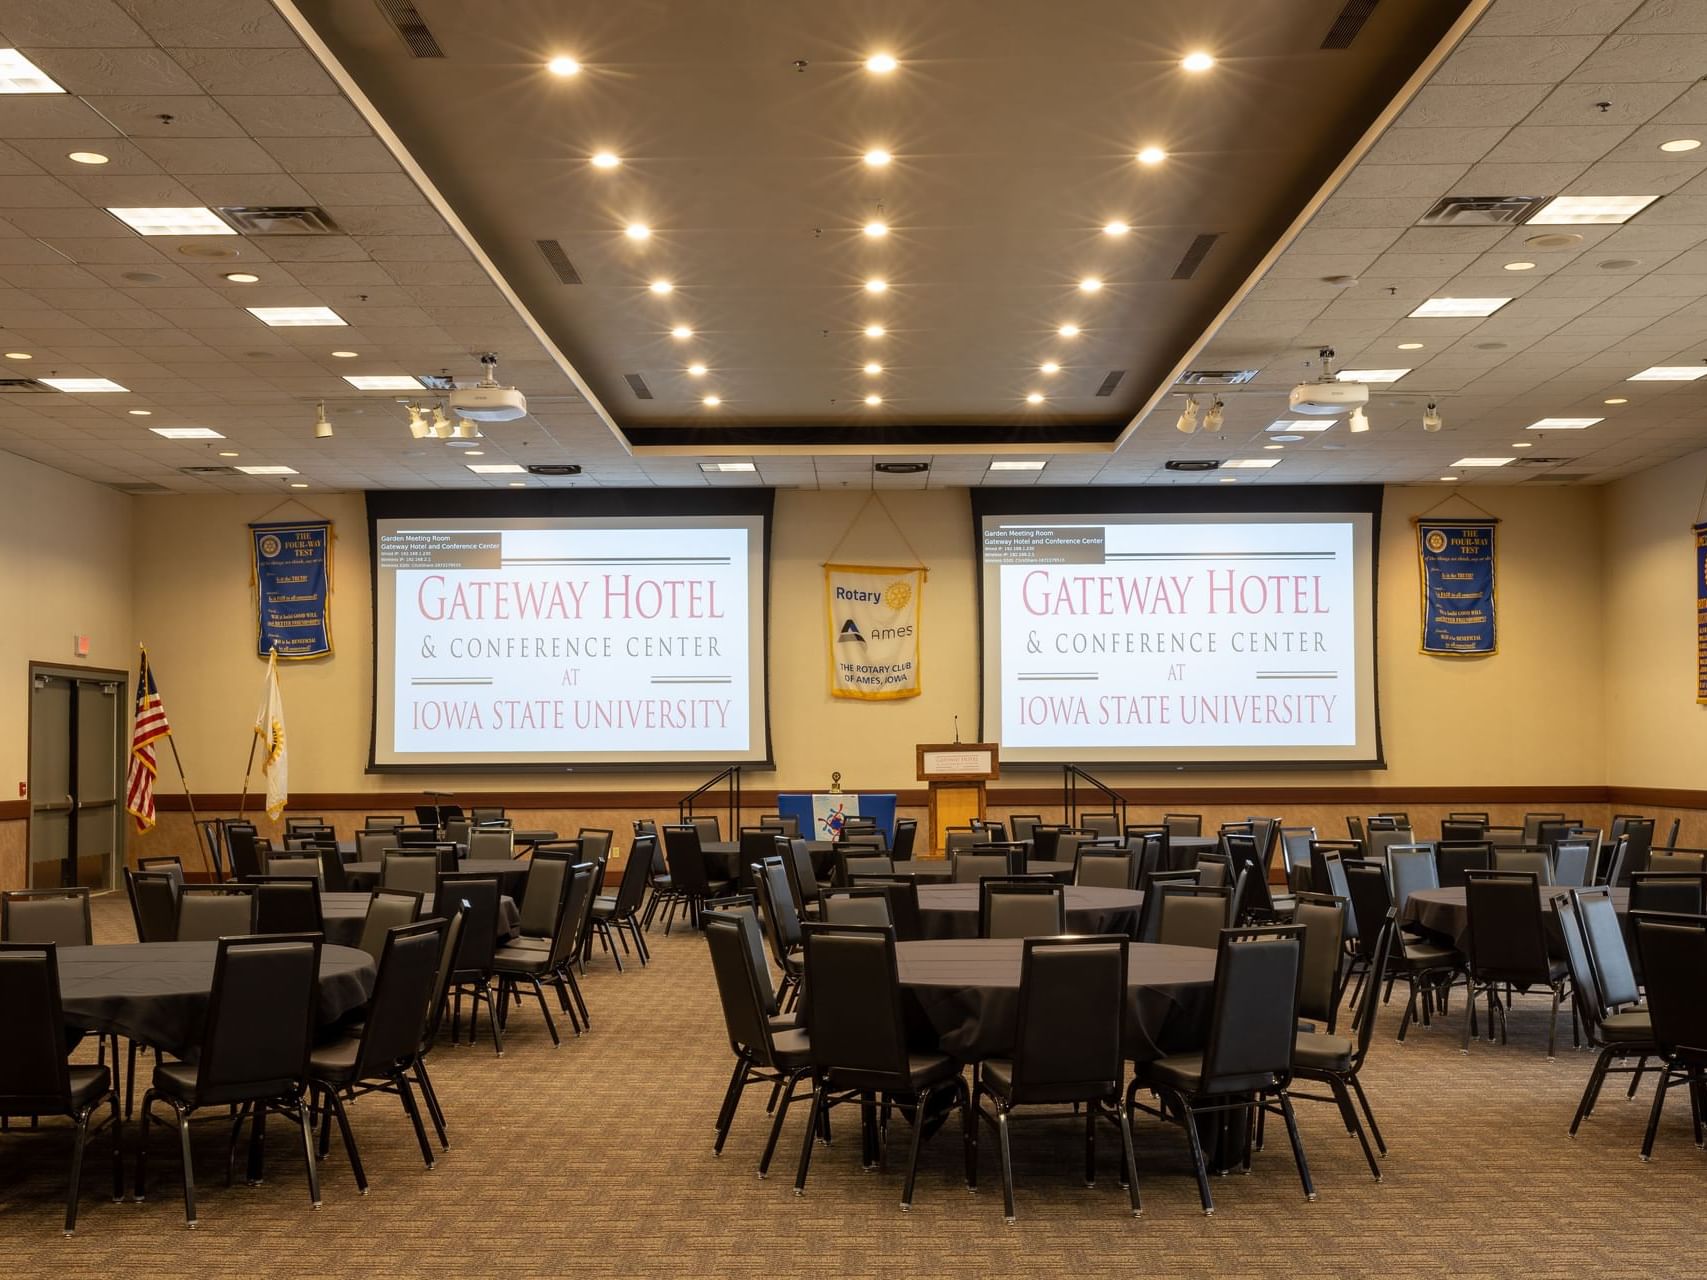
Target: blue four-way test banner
(1459,615)
(293,587)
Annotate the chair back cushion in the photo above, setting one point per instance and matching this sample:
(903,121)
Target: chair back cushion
(46,915)
(1323,922)
(853,1014)
(1674,958)
(970,868)
(542,895)
(387,909)
(1191,918)
(402,997)
(1072,1003)
(206,914)
(1021,910)
(410,872)
(1253,1023)
(1508,940)
(34,1076)
(491,842)
(1531,861)
(858,906)
(260,1020)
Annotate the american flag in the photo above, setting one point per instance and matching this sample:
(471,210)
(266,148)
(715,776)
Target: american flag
(151,726)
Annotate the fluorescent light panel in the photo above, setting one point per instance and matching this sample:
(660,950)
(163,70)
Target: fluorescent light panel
(295,317)
(727,466)
(1659,373)
(384,382)
(1577,210)
(1371,375)
(1562,424)
(174,222)
(1010,464)
(83,386)
(1250,464)
(268,471)
(1457,308)
(1483,462)
(1300,424)
(19,75)
(496,468)
(187,433)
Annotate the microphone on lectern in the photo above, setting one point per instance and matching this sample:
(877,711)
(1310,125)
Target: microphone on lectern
(957,731)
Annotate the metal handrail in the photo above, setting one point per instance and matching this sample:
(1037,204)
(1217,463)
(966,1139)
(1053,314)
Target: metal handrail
(731,776)
(1071,776)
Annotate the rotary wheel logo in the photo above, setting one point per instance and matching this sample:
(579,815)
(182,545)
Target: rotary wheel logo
(1436,541)
(271,546)
(897,595)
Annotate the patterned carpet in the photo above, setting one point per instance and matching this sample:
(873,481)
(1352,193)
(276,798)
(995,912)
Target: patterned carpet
(596,1158)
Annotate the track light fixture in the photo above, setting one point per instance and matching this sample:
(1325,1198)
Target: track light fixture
(1188,416)
(1212,419)
(419,427)
(441,424)
(1358,421)
(1431,417)
(322,428)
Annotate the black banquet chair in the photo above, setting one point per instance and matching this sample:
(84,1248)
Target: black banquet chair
(254,1058)
(1674,961)
(1508,948)
(35,1078)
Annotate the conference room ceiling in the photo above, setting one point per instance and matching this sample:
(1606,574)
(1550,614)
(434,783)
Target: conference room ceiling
(1013,145)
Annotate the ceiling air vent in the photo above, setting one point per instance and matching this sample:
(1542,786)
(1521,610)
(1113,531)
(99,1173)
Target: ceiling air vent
(1195,253)
(901,468)
(1481,211)
(208,471)
(436,381)
(280,220)
(1350,22)
(140,487)
(1193,464)
(406,19)
(1111,382)
(1216,377)
(1558,477)
(24,387)
(637,384)
(554,468)
(1527,461)
(558,261)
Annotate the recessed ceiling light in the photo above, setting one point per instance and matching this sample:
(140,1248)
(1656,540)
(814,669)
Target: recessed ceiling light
(881,63)
(384,382)
(1616,400)
(83,386)
(1562,424)
(681,331)
(1287,439)
(1483,462)
(605,160)
(1450,479)
(1229,480)
(518,484)
(874,399)
(1015,464)
(295,317)
(637,231)
(1670,373)
(874,331)
(1035,397)
(1410,346)
(174,222)
(87,157)
(474,453)
(1681,144)
(1115,229)
(142,413)
(1523,444)
(660,286)
(19,355)
(711,402)
(1197,60)
(346,355)
(1455,308)
(1371,375)
(268,471)
(229,453)
(242,277)
(19,75)
(1152,156)
(1274,446)
(874,367)
(1090,284)
(878,158)
(299,484)
(876,286)
(697,370)
(1300,424)
(876,229)
(496,468)
(1520,266)
(1251,464)
(563,66)
(187,433)
(715,467)
(1049,366)
(1068,331)
(1566,210)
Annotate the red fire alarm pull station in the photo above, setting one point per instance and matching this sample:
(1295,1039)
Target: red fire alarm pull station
(80,646)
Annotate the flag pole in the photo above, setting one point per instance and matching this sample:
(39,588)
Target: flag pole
(195,823)
(243,795)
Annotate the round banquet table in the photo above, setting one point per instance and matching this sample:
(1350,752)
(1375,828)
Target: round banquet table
(343,915)
(942,869)
(968,991)
(158,992)
(951,910)
(1444,914)
(723,858)
(510,874)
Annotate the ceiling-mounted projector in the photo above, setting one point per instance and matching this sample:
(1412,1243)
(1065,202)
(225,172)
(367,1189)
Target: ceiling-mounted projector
(486,401)
(1327,397)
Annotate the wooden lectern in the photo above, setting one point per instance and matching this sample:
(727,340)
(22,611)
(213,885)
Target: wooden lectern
(957,772)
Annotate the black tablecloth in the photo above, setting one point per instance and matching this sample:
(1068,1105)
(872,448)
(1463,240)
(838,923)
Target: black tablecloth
(1183,850)
(723,858)
(157,992)
(968,989)
(344,914)
(509,873)
(943,869)
(1442,913)
(951,910)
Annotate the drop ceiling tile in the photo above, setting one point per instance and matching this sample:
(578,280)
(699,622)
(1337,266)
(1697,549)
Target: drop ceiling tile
(34,192)
(1393,181)
(1546,144)
(332,155)
(1611,177)
(1555,17)
(444,248)
(121,191)
(209,155)
(316,249)
(69,24)
(363,189)
(198,23)
(1516,59)
(417,219)
(1517,179)
(1435,145)
(1455,105)
(289,116)
(247,189)
(1648,59)
(160,116)
(239,71)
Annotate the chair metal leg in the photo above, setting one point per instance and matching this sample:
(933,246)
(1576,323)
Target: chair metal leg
(118,1150)
(813,1118)
(1091,1145)
(1369,1115)
(1123,1119)
(1342,1095)
(308,1151)
(183,1122)
(919,1104)
(1654,1114)
(401,1080)
(349,1138)
(79,1141)
(1297,1146)
(430,1096)
(731,1100)
(792,1080)
(1195,1140)
(142,1150)
(1006,1149)
(1553,1026)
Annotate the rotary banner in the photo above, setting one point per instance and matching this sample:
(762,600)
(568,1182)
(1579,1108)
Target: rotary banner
(1701,613)
(874,631)
(1458,599)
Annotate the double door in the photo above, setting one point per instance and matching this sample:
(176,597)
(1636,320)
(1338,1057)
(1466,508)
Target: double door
(78,722)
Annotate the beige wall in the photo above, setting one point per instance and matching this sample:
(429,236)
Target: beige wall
(1656,734)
